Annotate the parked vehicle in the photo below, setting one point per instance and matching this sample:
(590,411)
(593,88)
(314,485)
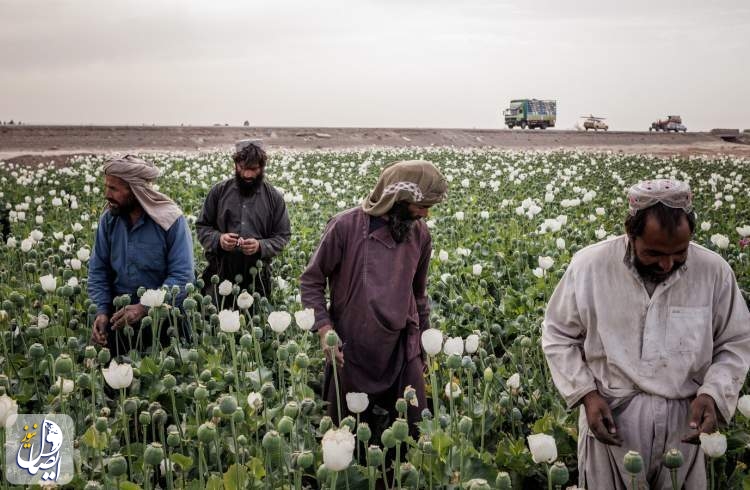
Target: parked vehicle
(531,113)
(671,123)
(595,123)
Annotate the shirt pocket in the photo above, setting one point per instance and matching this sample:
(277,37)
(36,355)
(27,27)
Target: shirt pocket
(688,329)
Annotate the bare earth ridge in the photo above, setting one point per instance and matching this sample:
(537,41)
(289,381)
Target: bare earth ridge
(42,143)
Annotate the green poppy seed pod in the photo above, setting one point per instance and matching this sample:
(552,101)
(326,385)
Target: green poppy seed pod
(301,361)
(144,418)
(375,456)
(153,454)
(633,462)
(464,425)
(189,304)
(425,445)
(114,445)
(140,291)
(238,416)
(200,393)
(285,425)
(325,424)
(388,439)
(168,363)
(246,341)
(673,458)
(271,441)
(193,356)
(257,331)
(147,321)
(66,291)
(229,376)
(169,381)
(200,283)
(36,351)
(291,409)
(206,432)
(307,406)
(305,459)
(91,310)
(400,429)
(215,279)
(101,424)
(282,353)
(228,404)
(332,339)
(349,422)
(190,288)
(454,361)
(488,375)
(159,417)
(206,301)
(292,347)
(268,390)
(323,473)
(503,481)
(117,465)
(32,331)
(175,290)
(215,411)
(205,375)
(409,475)
(236,289)
(558,473)
(173,439)
(83,380)
(426,414)
(466,362)
(444,420)
(401,406)
(242,440)
(72,344)
(89,352)
(130,406)
(363,432)
(63,364)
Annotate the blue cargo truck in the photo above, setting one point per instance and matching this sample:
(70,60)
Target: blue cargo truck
(531,113)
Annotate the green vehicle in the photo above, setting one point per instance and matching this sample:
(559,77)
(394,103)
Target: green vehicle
(531,113)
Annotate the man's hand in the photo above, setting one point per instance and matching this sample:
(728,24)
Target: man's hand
(129,315)
(703,418)
(600,419)
(322,331)
(99,331)
(229,241)
(249,246)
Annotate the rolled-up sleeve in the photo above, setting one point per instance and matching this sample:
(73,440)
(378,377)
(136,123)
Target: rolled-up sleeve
(314,279)
(731,346)
(563,337)
(180,264)
(101,275)
(419,286)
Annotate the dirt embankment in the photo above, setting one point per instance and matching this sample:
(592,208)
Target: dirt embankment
(35,143)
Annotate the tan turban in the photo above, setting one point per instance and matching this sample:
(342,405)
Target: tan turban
(413,181)
(670,192)
(139,174)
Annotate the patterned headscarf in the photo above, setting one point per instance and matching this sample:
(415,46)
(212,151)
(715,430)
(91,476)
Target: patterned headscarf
(413,181)
(139,174)
(670,192)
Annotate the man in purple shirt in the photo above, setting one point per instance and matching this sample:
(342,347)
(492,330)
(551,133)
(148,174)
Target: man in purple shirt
(375,259)
(142,241)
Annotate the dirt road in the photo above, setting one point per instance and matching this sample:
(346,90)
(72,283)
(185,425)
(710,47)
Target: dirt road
(43,142)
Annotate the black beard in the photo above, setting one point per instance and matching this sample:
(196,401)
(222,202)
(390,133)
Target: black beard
(654,273)
(124,209)
(247,187)
(400,222)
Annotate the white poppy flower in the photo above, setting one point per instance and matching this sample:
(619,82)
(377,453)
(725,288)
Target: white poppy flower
(305,319)
(545,263)
(49,283)
(472,343)
(255,400)
(721,241)
(245,300)
(225,288)
(8,410)
(229,321)
(543,448)
(477,269)
(338,448)
(153,298)
(452,390)
(714,445)
(514,382)
(357,402)
(279,321)
(432,341)
(454,345)
(743,405)
(118,376)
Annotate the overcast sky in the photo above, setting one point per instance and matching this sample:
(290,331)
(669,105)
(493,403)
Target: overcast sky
(392,63)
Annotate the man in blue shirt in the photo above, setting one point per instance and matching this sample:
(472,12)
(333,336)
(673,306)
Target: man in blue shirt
(143,240)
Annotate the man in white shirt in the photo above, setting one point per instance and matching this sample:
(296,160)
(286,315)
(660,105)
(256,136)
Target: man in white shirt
(651,334)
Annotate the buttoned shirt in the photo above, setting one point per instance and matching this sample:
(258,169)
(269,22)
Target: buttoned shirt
(126,257)
(603,331)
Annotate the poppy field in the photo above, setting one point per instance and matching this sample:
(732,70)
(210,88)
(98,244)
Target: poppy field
(238,404)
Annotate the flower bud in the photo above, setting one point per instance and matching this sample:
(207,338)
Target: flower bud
(401,406)
(305,459)
(503,481)
(349,422)
(363,432)
(325,424)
